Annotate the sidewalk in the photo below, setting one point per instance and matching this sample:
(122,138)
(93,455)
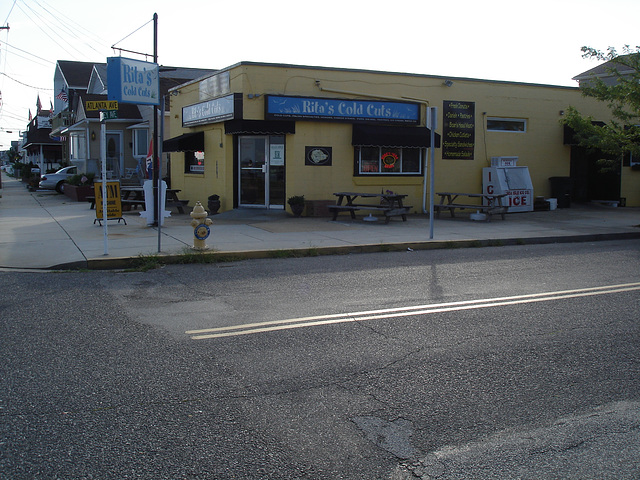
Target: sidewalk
(46,230)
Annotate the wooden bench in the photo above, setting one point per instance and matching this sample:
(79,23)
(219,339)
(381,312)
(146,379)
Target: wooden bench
(388,211)
(132,203)
(180,204)
(390,204)
(343,208)
(494,204)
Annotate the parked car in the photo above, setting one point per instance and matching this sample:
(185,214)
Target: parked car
(54,181)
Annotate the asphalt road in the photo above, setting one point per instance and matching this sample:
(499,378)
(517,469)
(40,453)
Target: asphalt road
(509,362)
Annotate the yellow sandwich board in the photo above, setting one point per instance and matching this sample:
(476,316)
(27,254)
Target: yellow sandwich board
(114,205)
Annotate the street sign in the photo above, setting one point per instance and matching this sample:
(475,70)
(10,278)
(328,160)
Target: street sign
(108,115)
(93,105)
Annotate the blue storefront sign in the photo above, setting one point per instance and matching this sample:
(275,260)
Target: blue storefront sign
(133,81)
(312,108)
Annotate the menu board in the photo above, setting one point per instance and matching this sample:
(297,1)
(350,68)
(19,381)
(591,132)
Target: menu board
(459,127)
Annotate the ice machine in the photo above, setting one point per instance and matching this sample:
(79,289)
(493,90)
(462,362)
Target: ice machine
(504,176)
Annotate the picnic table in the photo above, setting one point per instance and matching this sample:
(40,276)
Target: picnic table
(138,193)
(134,197)
(493,203)
(391,204)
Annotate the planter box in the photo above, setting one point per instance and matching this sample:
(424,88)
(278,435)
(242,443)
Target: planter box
(78,193)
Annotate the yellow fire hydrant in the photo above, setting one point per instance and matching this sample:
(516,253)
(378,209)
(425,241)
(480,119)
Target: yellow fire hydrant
(200,224)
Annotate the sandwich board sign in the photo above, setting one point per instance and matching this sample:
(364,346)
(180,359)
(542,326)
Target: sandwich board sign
(114,205)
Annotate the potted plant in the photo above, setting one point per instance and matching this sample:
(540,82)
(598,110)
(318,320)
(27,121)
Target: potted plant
(296,203)
(213,204)
(79,187)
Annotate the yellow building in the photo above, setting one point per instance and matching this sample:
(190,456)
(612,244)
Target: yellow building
(256,134)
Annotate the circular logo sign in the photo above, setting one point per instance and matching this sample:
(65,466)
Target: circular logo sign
(389,159)
(202,231)
(318,155)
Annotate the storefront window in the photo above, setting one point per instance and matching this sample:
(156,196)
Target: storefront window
(78,146)
(388,161)
(411,160)
(140,143)
(506,124)
(369,160)
(193,162)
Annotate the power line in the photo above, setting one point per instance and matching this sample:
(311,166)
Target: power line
(11,10)
(42,29)
(26,85)
(63,22)
(28,53)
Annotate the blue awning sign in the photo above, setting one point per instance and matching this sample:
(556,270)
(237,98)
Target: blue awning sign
(334,109)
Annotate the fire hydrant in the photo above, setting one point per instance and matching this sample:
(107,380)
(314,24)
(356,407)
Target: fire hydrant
(200,224)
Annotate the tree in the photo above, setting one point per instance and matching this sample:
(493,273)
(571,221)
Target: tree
(621,92)
(13,154)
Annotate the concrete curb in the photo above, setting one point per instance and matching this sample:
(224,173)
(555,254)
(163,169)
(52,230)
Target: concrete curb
(212,256)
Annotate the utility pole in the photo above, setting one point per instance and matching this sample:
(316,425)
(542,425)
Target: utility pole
(156,161)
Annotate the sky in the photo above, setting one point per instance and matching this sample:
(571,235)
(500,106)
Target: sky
(532,42)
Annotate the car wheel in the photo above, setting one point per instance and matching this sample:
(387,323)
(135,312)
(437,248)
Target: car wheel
(60,187)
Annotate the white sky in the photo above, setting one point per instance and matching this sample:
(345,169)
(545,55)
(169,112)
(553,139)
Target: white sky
(536,41)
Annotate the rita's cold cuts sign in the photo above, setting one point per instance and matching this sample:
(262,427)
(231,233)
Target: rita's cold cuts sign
(458,130)
(133,81)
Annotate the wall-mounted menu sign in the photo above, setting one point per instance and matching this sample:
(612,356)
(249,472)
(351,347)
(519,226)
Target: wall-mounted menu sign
(459,126)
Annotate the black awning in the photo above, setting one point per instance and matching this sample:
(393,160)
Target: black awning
(569,133)
(259,127)
(385,136)
(189,142)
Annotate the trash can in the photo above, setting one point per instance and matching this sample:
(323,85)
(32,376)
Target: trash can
(561,190)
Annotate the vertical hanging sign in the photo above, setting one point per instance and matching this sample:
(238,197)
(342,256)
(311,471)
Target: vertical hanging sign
(133,81)
(458,130)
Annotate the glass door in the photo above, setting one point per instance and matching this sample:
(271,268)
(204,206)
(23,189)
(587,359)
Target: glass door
(261,166)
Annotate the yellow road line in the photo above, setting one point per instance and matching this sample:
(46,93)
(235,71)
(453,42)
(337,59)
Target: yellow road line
(275,325)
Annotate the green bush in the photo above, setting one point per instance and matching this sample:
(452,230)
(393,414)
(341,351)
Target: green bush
(296,200)
(81,179)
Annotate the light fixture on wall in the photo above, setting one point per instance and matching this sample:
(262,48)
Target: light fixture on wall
(448,83)
(93,136)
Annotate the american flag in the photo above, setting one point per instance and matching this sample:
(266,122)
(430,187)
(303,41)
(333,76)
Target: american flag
(63,96)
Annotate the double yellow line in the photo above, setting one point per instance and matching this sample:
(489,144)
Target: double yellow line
(275,325)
